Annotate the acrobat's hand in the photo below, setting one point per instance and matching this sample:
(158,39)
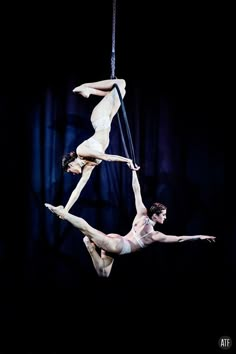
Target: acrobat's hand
(89,245)
(132,167)
(82,90)
(208,238)
(59,210)
(103,254)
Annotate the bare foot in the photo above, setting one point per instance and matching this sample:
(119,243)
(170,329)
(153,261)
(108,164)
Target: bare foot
(83,90)
(59,210)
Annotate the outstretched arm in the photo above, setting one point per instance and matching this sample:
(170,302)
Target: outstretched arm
(102,264)
(84,152)
(87,170)
(160,237)
(140,207)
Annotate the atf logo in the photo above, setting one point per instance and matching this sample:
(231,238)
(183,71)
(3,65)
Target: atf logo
(225,342)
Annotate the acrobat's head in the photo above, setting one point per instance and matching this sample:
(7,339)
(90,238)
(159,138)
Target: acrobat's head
(72,163)
(157,212)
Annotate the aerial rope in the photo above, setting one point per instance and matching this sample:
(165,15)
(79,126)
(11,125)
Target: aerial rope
(113,76)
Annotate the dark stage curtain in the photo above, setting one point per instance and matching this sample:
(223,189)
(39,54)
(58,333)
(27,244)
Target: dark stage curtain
(177,146)
(173,94)
(176,141)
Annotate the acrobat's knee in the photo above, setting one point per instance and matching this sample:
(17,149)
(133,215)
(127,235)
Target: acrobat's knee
(121,83)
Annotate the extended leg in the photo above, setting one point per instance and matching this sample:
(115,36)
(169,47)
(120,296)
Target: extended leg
(110,103)
(100,88)
(111,243)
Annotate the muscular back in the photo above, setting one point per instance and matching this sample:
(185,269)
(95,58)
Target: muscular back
(142,230)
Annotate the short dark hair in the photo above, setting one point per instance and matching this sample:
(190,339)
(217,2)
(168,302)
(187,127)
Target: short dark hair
(68,158)
(156,208)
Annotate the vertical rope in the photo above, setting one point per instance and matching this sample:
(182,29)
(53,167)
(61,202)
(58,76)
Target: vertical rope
(113,76)
(127,128)
(113,66)
(113,56)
